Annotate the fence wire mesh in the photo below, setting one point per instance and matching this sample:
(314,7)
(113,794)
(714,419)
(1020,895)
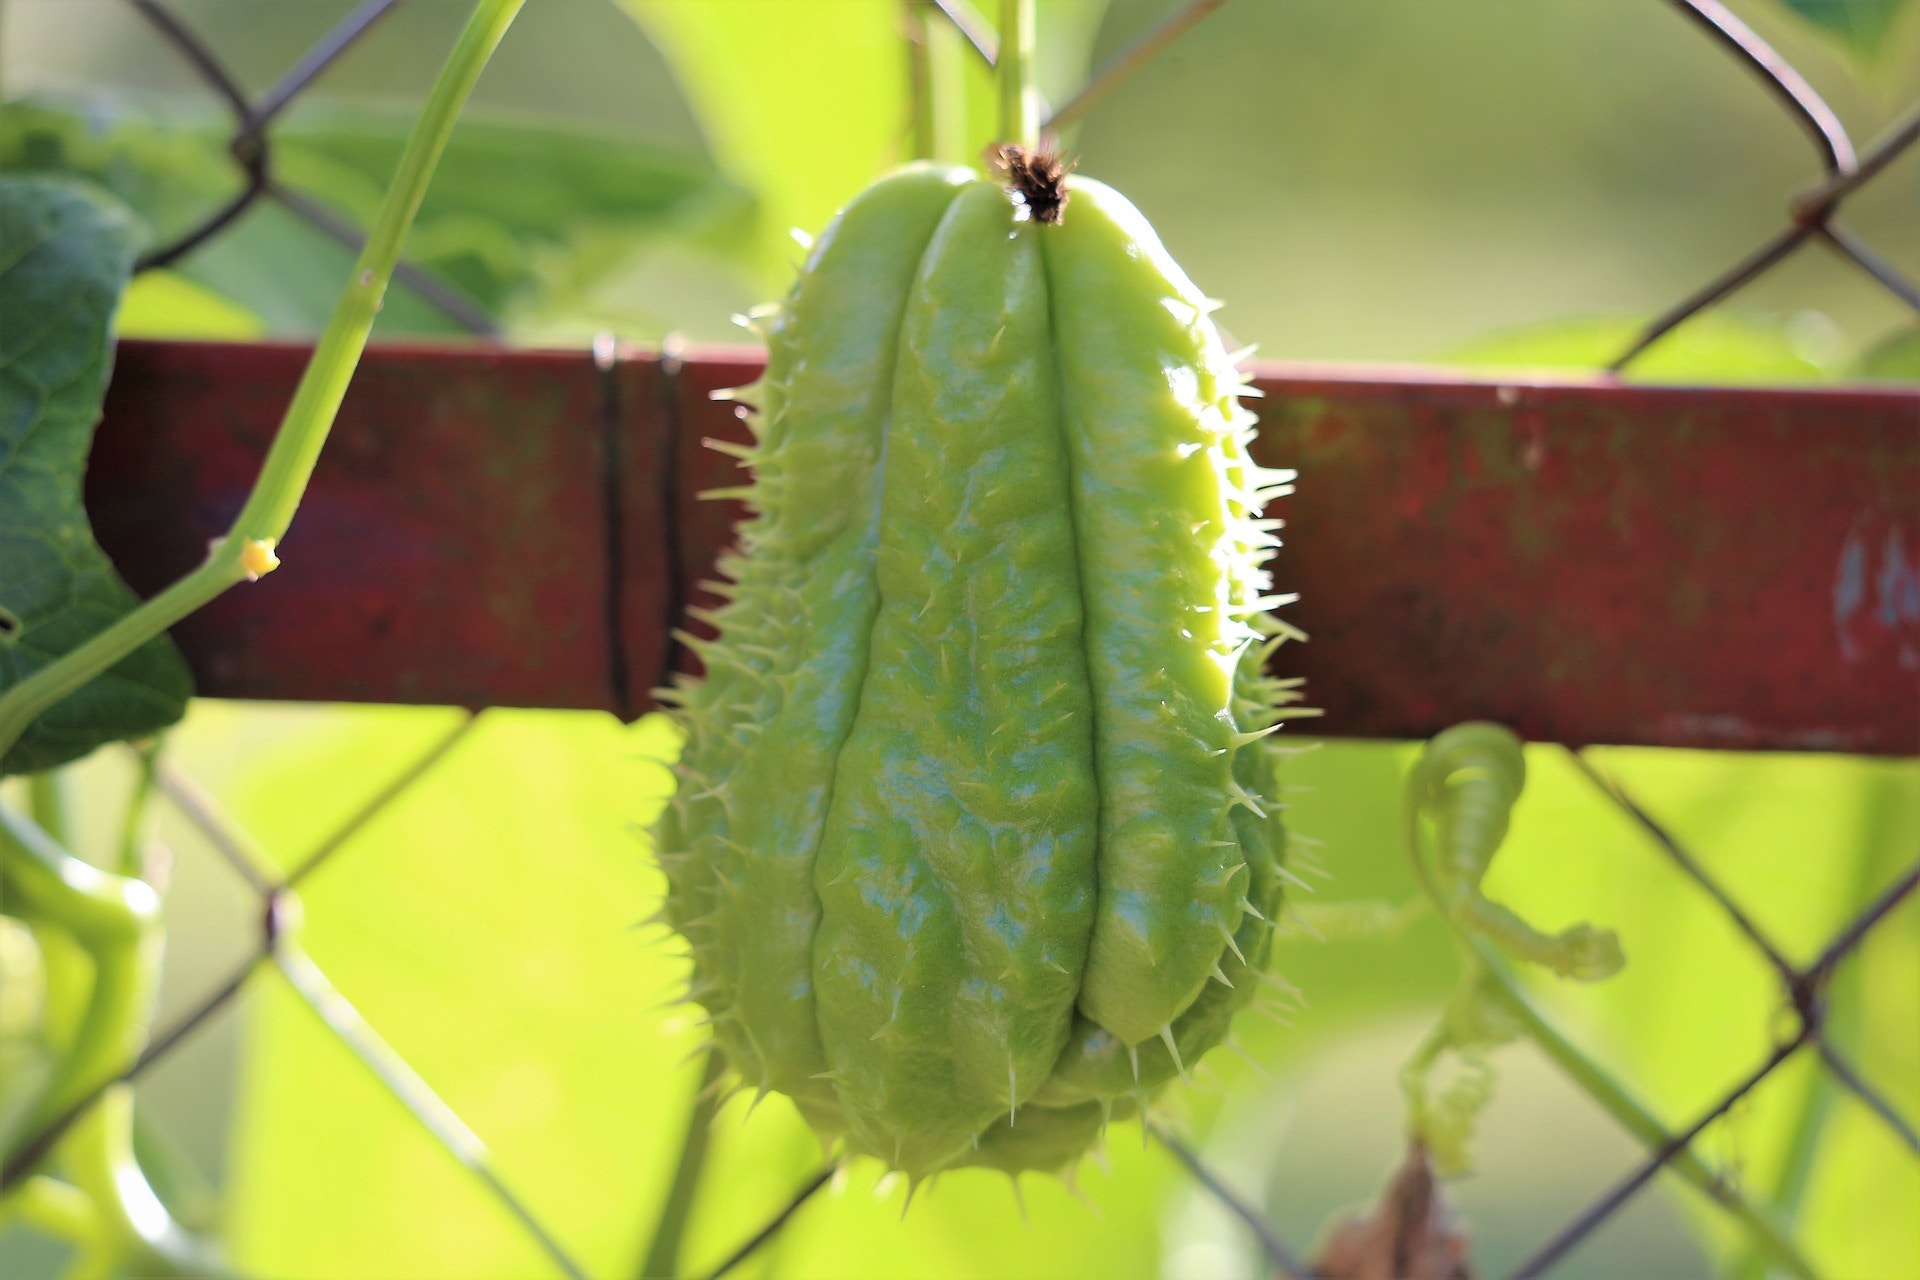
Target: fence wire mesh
(1812,215)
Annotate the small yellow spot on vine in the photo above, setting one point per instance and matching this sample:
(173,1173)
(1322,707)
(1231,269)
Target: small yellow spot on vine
(257,558)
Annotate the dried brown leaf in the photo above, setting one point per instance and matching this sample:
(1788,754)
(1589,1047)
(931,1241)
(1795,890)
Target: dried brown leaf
(1409,1235)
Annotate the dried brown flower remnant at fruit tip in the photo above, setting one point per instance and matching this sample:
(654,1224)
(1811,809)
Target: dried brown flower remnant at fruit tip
(1410,1235)
(1039,175)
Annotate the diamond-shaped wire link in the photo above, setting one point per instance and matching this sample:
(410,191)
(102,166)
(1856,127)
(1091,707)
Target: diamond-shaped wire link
(1813,216)
(1804,995)
(251,148)
(277,902)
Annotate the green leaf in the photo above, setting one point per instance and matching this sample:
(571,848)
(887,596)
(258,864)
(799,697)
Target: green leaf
(1861,24)
(173,175)
(491,237)
(804,102)
(1895,357)
(162,304)
(66,258)
(1713,348)
(586,219)
(169,175)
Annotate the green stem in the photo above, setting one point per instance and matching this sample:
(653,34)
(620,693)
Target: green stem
(53,1208)
(919,80)
(47,804)
(663,1254)
(245,550)
(947,88)
(141,1236)
(296,447)
(133,822)
(1019,101)
(1636,1119)
(117,921)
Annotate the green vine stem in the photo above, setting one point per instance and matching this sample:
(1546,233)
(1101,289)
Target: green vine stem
(49,802)
(248,549)
(51,1207)
(117,920)
(936,81)
(662,1261)
(130,857)
(1019,99)
(134,1233)
(1485,965)
(919,80)
(1633,1116)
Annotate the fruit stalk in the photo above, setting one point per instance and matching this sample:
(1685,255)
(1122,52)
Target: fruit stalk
(1019,100)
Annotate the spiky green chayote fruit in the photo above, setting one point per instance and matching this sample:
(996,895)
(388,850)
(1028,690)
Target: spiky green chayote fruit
(975,842)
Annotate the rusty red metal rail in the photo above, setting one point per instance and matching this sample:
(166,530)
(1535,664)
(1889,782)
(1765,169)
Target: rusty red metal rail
(1584,561)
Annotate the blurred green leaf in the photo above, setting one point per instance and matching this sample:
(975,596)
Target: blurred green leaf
(530,180)
(1715,348)
(489,933)
(1861,24)
(161,304)
(1065,33)
(268,263)
(1895,357)
(803,102)
(581,207)
(482,232)
(487,928)
(67,252)
(171,176)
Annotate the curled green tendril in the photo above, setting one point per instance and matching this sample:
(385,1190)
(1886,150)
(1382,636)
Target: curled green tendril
(1463,788)
(1466,782)
(68,1042)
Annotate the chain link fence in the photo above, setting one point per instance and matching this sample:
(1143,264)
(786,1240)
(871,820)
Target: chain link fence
(1812,215)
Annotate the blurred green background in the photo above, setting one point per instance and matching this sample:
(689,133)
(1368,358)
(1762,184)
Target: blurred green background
(1498,181)
(1359,179)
